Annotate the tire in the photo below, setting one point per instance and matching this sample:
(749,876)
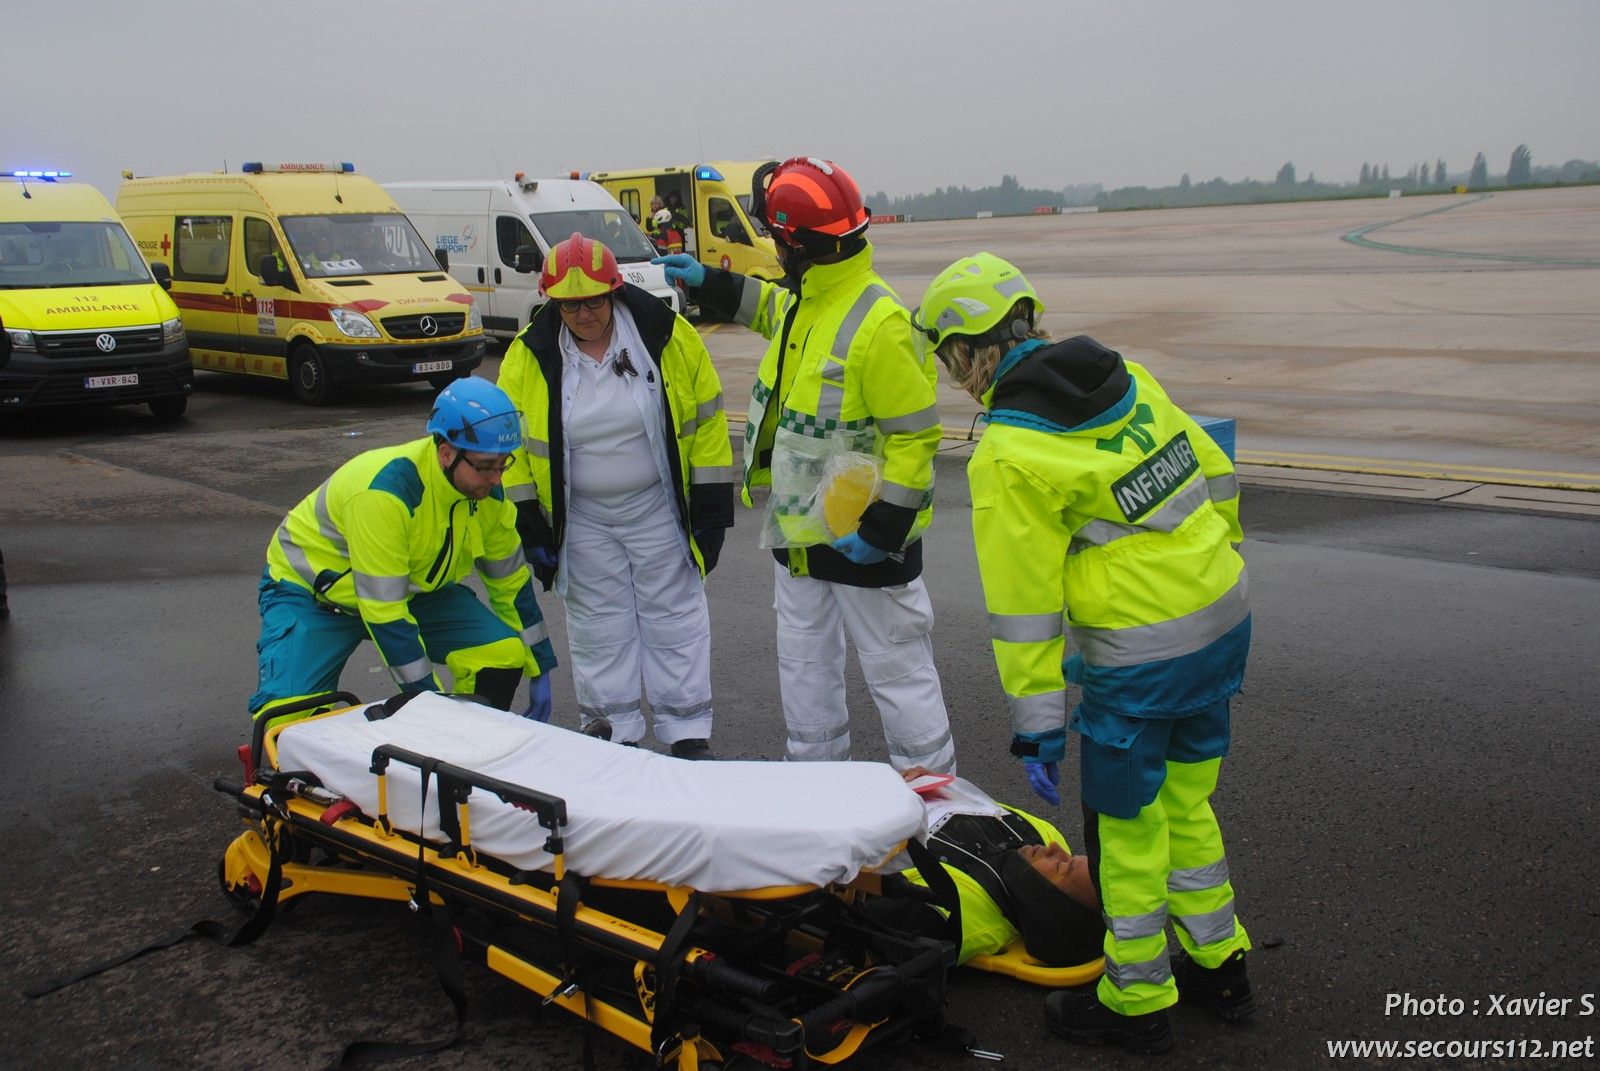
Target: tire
(309,379)
(168,409)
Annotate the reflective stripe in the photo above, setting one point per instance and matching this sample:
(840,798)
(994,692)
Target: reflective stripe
(774,299)
(1172,513)
(748,297)
(897,494)
(1133,927)
(610,710)
(522,492)
(1153,971)
(819,736)
(714,474)
(853,320)
(296,557)
(833,374)
(1210,927)
(501,568)
(693,710)
(921,420)
(371,588)
(1038,713)
(1198,878)
(1223,488)
(412,672)
(703,412)
(1165,639)
(534,635)
(537,448)
(830,400)
(1025,628)
(325,524)
(918,749)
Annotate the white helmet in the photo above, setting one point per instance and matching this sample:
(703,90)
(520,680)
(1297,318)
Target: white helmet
(663,216)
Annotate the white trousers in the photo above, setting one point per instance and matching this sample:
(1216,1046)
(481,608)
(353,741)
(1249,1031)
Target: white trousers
(893,633)
(636,609)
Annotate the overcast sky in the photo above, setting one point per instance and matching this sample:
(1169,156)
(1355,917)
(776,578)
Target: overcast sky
(906,95)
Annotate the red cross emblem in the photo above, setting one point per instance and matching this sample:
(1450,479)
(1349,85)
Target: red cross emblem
(166,244)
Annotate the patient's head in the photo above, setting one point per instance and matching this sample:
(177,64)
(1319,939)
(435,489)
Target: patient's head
(1053,904)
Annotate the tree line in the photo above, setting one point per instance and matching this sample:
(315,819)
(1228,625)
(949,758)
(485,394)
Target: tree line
(1010,197)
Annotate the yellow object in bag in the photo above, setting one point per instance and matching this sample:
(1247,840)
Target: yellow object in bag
(849,486)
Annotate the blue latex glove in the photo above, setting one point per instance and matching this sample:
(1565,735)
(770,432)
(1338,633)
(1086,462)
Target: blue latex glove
(858,550)
(681,267)
(1043,777)
(538,698)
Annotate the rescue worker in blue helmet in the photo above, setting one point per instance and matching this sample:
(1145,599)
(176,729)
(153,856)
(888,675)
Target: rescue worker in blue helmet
(1102,511)
(381,550)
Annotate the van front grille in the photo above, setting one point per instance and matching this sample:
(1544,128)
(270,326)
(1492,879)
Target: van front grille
(89,343)
(445,324)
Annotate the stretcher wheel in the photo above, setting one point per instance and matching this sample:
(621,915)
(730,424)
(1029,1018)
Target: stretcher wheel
(240,896)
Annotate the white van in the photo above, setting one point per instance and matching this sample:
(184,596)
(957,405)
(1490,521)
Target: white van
(476,227)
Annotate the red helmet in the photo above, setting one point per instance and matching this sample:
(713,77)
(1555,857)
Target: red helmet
(579,268)
(807,194)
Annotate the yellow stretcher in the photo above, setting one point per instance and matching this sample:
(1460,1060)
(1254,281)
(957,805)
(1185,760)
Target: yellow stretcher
(787,976)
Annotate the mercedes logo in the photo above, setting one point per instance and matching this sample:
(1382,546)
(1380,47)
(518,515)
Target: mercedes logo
(105,343)
(429,325)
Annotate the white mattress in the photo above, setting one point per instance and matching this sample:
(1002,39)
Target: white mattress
(712,826)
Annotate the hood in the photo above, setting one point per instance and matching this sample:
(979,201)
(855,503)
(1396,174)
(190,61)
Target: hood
(66,308)
(1076,385)
(379,296)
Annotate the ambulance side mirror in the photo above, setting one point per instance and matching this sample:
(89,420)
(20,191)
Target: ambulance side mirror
(526,259)
(273,273)
(162,273)
(443,257)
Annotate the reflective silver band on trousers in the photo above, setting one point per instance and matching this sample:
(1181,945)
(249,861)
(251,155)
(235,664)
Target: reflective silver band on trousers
(1198,878)
(1133,927)
(1152,971)
(1211,926)
(412,672)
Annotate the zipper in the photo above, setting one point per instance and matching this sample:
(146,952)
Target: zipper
(447,551)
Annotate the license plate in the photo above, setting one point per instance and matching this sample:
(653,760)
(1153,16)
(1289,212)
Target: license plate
(431,366)
(130,379)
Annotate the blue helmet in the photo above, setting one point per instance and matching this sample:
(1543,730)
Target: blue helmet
(474,414)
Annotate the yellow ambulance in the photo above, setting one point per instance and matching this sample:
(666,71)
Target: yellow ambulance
(715,199)
(307,272)
(88,320)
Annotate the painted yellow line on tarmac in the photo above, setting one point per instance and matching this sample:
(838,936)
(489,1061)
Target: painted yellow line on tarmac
(1432,470)
(708,329)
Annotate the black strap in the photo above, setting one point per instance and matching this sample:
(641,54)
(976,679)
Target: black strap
(446,961)
(669,965)
(574,964)
(254,926)
(943,887)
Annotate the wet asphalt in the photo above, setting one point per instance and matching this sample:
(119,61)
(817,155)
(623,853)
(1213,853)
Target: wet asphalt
(1408,806)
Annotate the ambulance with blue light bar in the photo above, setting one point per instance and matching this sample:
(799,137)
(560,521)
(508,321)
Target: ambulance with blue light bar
(307,272)
(716,198)
(88,320)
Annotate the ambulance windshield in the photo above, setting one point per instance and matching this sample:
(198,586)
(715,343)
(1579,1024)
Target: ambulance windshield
(357,244)
(38,254)
(613,226)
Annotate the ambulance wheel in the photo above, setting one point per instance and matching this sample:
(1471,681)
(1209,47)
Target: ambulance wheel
(169,409)
(239,896)
(308,377)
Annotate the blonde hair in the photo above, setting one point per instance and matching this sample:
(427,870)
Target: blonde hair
(972,367)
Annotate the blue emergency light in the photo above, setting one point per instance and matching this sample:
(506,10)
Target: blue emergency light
(256,167)
(47,176)
(703,173)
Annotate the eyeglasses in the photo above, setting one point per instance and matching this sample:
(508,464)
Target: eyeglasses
(572,305)
(493,467)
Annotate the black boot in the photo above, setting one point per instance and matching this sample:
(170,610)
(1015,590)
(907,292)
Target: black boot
(599,728)
(696,747)
(1224,990)
(1078,1015)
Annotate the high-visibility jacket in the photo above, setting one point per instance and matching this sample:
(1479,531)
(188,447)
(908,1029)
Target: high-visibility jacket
(839,373)
(1099,505)
(702,465)
(388,525)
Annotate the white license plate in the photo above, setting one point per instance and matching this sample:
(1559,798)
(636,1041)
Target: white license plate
(431,366)
(130,379)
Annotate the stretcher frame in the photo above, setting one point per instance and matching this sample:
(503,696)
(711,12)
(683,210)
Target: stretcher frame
(787,976)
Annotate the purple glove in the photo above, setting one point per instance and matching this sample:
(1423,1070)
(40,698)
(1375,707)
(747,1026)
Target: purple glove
(538,698)
(1043,777)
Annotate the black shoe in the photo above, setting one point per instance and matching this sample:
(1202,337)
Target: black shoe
(1223,990)
(599,728)
(697,747)
(1078,1016)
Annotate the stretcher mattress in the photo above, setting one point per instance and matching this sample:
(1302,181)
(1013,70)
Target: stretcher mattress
(633,814)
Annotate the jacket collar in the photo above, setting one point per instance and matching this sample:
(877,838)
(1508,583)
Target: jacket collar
(820,279)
